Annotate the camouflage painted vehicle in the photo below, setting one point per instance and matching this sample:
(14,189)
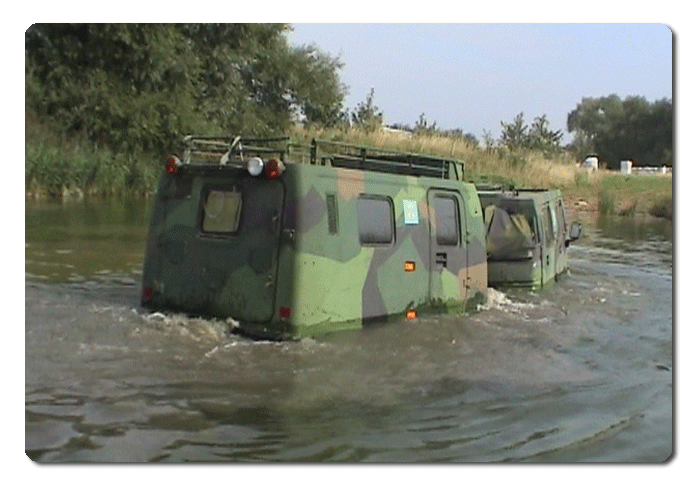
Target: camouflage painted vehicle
(526,236)
(293,241)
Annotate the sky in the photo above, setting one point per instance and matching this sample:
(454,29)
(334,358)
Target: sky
(473,76)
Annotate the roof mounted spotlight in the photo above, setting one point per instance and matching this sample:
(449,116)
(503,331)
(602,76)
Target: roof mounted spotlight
(255,166)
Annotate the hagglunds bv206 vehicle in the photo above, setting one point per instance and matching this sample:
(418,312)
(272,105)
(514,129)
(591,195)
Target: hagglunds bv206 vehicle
(526,236)
(293,241)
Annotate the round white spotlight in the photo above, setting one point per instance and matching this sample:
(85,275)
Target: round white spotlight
(255,166)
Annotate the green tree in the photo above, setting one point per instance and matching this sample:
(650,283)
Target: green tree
(489,142)
(117,84)
(517,136)
(144,86)
(367,115)
(623,129)
(471,138)
(541,138)
(318,94)
(514,135)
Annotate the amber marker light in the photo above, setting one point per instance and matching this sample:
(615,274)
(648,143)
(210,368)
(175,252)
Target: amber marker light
(409,266)
(411,315)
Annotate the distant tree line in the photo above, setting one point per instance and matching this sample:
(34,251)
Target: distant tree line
(145,86)
(630,129)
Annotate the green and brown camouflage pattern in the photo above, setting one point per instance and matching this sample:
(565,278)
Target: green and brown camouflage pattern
(526,237)
(296,266)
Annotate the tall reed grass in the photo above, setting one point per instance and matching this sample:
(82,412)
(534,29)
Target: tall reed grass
(662,207)
(606,202)
(523,169)
(59,167)
(56,167)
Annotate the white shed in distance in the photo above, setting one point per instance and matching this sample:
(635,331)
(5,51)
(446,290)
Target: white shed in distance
(590,163)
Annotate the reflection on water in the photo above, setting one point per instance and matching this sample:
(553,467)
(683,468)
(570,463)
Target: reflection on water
(644,242)
(86,240)
(581,371)
(633,229)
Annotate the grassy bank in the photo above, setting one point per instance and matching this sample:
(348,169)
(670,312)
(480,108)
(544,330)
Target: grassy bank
(527,169)
(64,168)
(56,167)
(605,191)
(613,193)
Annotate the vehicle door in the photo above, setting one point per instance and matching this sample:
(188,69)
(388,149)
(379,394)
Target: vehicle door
(227,266)
(560,232)
(448,252)
(244,253)
(548,243)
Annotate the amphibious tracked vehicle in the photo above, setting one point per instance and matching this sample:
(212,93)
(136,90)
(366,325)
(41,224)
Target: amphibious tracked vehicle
(297,240)
(527,236)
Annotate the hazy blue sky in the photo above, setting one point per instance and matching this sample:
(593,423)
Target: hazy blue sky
(473,76)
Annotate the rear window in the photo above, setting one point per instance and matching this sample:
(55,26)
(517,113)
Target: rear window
(375,217)
(222,211)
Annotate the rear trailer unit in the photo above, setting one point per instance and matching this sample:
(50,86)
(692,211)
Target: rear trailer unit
(527,236)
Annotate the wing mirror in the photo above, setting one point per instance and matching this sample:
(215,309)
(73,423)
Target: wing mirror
(575,233)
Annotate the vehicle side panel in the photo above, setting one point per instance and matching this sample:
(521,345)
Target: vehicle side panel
(339,281)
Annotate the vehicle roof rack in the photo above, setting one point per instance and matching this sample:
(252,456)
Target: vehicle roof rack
(492,187)
(346,155)
(223,149)
(512,193)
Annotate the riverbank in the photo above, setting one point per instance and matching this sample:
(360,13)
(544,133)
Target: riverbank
(612,193)
(74,168)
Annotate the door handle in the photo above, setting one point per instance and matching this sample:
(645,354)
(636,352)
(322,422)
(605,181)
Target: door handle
(441,259)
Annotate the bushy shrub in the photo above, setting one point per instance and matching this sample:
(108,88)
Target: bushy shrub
(663,207)
(606,202)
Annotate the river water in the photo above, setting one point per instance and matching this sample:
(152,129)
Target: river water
(580,372)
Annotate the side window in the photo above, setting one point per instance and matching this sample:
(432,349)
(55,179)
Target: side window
(561,218)
(332,208)
(222,210)
(446,220)
(532,223)
(548,227)
(375,220)
(555,228)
